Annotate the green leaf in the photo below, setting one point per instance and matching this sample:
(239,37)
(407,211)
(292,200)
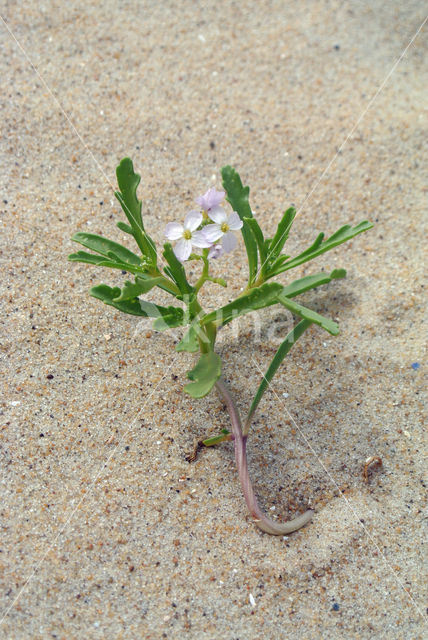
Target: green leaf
(167,316)
(258,237)
(279,356)
(170,320)
(204,375)
(100,261)
(108,294)
(114,251)
(282,233)
(257,298)
(319,246)
(237,196)
(175,270)
(124,227)
(141,285)
(309,314)
(310,282)
(128,182)
(189,341)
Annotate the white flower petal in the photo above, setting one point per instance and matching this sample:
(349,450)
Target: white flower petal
(234,221)
(200,240)
(174,230)
(218,214)
(212,232)
(228,242)
(183,249)
(193,220)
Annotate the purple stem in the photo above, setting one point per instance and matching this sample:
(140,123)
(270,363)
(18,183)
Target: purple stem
(240,440)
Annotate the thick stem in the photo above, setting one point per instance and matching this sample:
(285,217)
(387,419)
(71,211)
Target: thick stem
(262,521)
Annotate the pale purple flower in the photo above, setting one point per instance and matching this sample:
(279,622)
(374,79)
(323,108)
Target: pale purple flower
(223,228)
(216,251)
(187,235)
(210,199)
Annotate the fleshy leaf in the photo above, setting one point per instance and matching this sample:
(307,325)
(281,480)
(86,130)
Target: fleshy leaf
(100,261)
(171,317)
(258,237)
(309,314)
(175,270)
(124,227)
(282,232)
(321,246)
(257,298)
(136,306)
(310,282)
(107,248)
(204,375)
(108,294)
(237,196)
(189,341)
(128,182)
(279,356)
(134,289)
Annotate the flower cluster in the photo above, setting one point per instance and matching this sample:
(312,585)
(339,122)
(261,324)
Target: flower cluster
(196,232)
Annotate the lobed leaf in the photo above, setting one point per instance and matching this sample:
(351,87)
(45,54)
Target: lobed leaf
(257,298)
(258,237)
(189,341)
(282,233)
(109,294)
(308,314)
(167,316)
(175,270)
(100,261)
(128,182)
(124,227)
(108,248)
(237,196)
(204,375)
(141,285)
(310,282)
(319,246)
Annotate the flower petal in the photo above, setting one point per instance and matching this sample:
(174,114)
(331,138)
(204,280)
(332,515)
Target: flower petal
(215,252)
(218,214)
(211,198)
(212,232)
(192,220)
(234,221)
(200,240)
(183,249)
(174,230)
(228,242)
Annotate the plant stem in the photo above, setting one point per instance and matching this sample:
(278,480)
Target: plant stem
(240,440)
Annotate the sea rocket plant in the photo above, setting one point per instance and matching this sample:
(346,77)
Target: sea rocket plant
(265,262)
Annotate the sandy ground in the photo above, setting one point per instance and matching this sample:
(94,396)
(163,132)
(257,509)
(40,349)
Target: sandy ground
(107,530)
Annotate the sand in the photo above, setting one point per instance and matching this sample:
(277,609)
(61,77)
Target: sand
(107,530)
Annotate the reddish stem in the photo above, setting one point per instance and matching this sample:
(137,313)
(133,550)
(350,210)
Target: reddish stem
(240,440)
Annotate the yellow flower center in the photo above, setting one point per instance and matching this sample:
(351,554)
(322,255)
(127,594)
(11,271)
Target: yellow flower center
(224,227)
(187,234)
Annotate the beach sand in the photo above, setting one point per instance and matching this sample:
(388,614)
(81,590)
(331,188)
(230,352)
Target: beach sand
(107,530)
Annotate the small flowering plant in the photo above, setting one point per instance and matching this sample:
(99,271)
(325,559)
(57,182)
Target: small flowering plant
(208,233)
